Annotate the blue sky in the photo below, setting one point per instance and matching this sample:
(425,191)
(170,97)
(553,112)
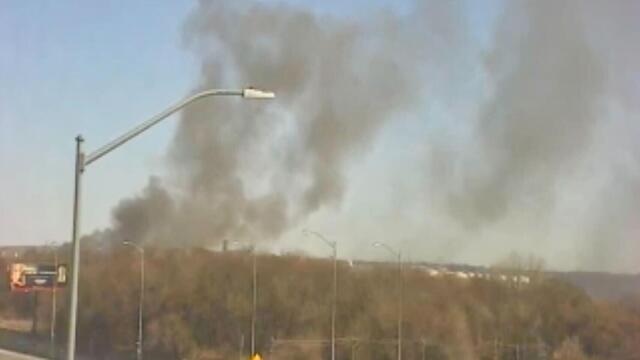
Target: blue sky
(70,68)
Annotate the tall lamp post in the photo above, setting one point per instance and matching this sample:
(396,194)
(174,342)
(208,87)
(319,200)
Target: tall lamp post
(254,294)
(398,255)
(334,247)
(52,330)
(140,250)
(83,161)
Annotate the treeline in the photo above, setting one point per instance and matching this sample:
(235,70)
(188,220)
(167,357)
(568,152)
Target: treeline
(198,306)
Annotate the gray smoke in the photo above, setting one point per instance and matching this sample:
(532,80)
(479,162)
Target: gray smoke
(250,170)
(546,141)
(550,151)
(540,117)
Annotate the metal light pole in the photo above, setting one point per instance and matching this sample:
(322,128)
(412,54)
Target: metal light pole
(398,255)
(75,251)
(52,333)
(83,161)
(254,294)
(334,247)
(354,347)
(140,250)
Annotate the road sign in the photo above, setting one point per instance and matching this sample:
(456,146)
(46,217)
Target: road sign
(36,277)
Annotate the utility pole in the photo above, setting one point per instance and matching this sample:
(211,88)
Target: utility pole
(334,303)
(52,332)
(34,322)
(75,250)
(255,300)
(141,306)
(354,348)
(398,255)
(254,294)
(140,250)
(400,305)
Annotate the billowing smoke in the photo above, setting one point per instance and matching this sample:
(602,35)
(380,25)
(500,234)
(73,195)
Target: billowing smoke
(544,154)
(552,157)
(540,116)
(249,170)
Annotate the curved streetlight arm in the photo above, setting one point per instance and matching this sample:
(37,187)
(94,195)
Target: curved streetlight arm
(245,93)
(251,246)
(388,248)
(332,244)
(134,245)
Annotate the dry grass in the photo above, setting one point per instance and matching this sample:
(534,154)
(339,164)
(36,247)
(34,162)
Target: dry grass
(21,325)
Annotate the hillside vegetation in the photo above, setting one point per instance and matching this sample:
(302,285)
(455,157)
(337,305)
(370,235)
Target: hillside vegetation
(198,305)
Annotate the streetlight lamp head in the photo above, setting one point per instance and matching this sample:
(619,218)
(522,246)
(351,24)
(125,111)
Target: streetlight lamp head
(377,244)
(251,93)
(236,242)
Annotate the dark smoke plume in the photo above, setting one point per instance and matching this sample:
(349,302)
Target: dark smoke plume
(550,157)
(252,170)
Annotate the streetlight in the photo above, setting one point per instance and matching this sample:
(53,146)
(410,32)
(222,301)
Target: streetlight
(254,294)
(83,161)
(398,255)
(140,250)
(334,246)
(52,330)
